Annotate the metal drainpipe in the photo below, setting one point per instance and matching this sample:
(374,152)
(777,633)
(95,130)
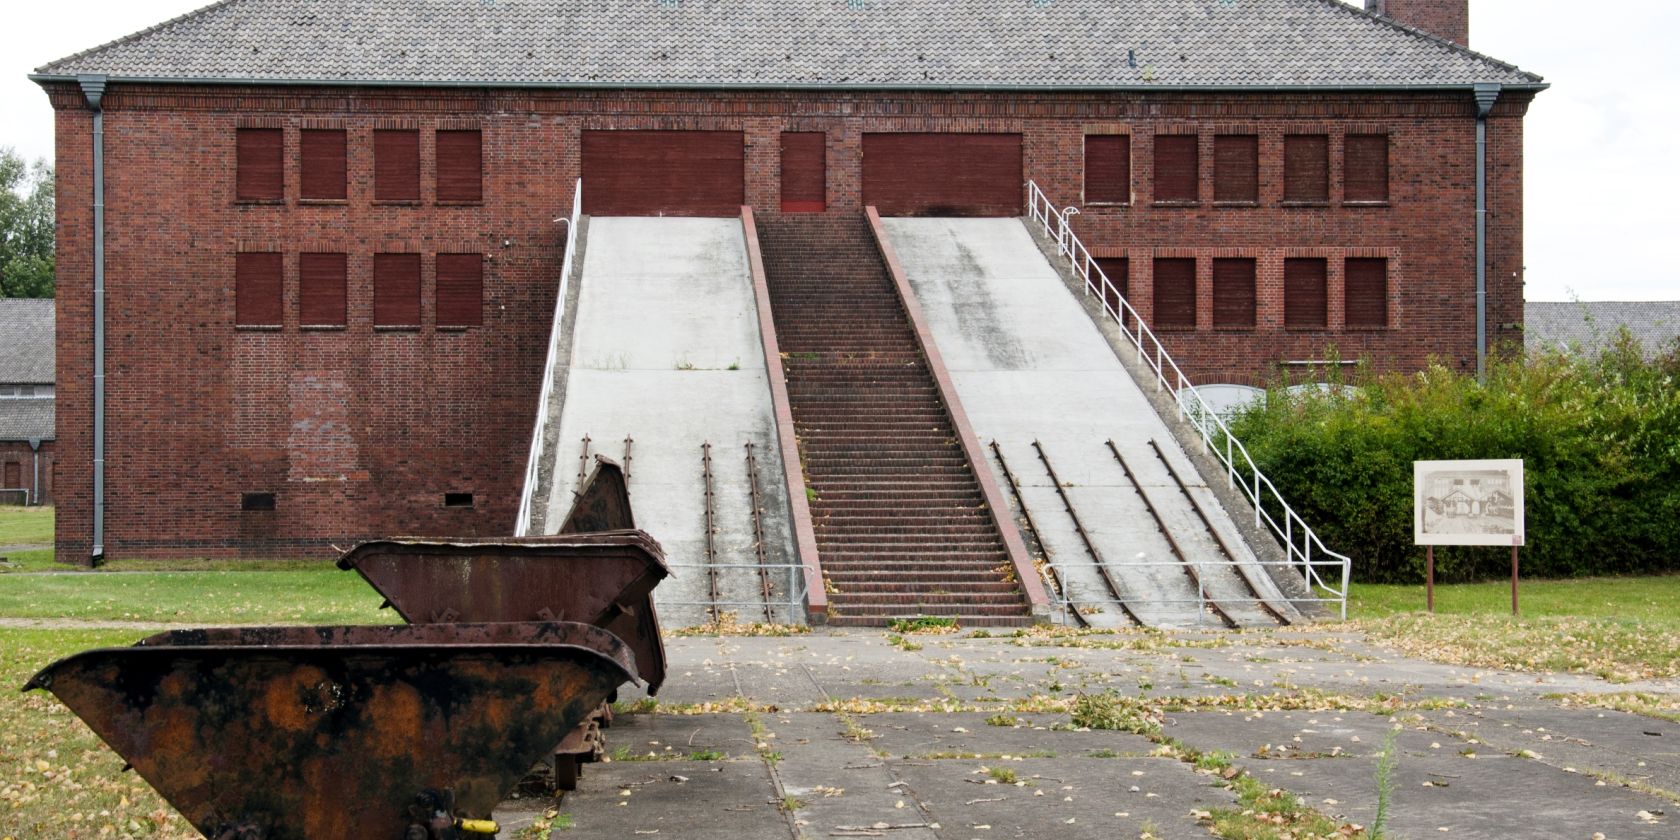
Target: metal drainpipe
(35,447)
(93,87)
(1486,94)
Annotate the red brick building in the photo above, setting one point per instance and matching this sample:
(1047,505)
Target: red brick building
(27,450)
(328,259)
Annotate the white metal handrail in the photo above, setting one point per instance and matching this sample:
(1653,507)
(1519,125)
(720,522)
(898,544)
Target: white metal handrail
(539,430)
(1191,406)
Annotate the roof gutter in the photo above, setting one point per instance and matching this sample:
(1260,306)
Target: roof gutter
(44,78)
(93,87)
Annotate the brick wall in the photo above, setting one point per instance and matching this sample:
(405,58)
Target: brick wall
(359,432)
(1449,19)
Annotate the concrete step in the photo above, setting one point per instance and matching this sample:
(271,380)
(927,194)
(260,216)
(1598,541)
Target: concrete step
(963,621)
(898,512)
(924,605)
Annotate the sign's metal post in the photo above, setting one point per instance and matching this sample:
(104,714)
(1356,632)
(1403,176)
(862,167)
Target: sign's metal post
(1429,578)
(1514,580)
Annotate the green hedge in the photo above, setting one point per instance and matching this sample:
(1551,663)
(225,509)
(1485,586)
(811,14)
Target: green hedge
(1600,439)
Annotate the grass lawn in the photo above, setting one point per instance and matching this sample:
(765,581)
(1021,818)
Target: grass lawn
(1621,629)
(57,779)
(23,525)
(323,595)
(30,560)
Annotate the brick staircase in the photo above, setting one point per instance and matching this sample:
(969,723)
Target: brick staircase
(901,525)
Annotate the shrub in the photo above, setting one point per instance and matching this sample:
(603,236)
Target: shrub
(1600,440)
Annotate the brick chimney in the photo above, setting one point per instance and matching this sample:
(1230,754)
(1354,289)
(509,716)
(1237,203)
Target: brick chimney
(1449,19)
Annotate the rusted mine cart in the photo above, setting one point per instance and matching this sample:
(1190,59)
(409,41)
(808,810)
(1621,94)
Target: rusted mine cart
(306,733)
(601,577)
(604,579)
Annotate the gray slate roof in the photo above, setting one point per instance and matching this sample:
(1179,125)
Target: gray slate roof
(26,342)
(26,419)
(793,43)
(1588,326)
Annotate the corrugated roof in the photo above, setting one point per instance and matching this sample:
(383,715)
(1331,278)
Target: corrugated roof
(1588,326)
(26,419)
(793,43)
(26,341)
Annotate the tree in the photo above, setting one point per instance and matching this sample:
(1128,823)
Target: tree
(26,227)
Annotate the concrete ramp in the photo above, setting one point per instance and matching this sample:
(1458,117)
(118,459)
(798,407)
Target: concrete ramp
(1131,532)
(666,353)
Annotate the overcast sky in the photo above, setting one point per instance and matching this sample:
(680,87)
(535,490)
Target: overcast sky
(1603,159)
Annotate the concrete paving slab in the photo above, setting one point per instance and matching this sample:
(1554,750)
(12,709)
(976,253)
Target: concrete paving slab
(723,800)
(667,737)
(1097,798)
(1329,759)
(1029,365)
(925,736)
(839,782)
(1634,747)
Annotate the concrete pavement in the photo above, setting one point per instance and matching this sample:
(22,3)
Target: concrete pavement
(851,734)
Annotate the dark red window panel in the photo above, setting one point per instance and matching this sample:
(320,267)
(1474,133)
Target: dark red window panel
(325,173)
(1177,167)
(261,163)
(1175,293)
(1306,168)
(664,173)
(1233,293)
(1236,168)
(396,290)
(321,290)
(804,172)
(460,290)
(1305,294)
(460,166)
(953,174)
(1108,169)
(258,286)
(1365,293)
(1119,271)
(396,165)
(1365,168)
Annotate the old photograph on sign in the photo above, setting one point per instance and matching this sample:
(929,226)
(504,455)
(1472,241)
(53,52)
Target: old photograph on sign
(1467,502)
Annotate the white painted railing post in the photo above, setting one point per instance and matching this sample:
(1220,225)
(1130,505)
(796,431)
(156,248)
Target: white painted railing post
(536,454)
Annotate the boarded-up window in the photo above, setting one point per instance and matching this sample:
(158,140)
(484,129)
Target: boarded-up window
(1365,293)
(1108,169)
(258,282)
(396,165)
(1236,168)
(14,475)
(1233,293)
(1177,167)
(325,173)
(261,155)
(396,290)
(1306,168)
(804,172)
(1175,293)
(460,166)
(321,297)
(460,290)
(943,174)
(1305,294)
(1119,270)
(1365,168)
